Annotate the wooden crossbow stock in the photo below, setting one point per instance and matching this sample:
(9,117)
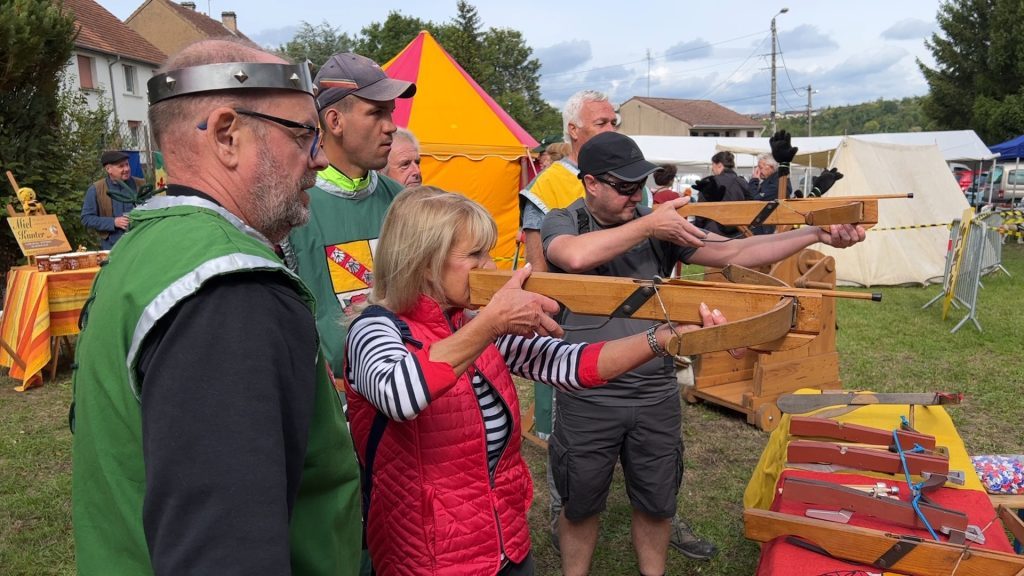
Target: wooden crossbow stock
(820,211)
(761,318)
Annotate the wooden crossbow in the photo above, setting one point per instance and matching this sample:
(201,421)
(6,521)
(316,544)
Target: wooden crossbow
(760,318)
(886,550)
(820,211)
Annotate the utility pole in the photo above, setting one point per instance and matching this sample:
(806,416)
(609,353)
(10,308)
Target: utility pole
(648,72)
(774,44)
(809,92)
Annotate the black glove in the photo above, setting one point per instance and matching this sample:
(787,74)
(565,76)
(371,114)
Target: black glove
(782,151)
(824,181)
(710,190)
(146,192)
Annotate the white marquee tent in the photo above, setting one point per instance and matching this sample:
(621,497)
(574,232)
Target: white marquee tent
(814,151)
(908,245)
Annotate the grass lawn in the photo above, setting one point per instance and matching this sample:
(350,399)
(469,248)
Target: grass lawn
(891,346)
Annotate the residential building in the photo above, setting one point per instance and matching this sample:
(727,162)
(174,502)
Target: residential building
(171,26)
(677,117)
(113,62)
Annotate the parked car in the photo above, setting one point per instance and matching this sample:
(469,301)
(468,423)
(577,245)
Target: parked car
(1007,186)
(964,179)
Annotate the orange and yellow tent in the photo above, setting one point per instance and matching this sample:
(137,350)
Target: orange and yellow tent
(468,143)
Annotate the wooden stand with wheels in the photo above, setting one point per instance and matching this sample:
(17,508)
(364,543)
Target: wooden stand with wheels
(751,384)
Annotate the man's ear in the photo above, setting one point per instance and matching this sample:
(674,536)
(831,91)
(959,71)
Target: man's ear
(573,131)
(589,183)
(223,135)
(334,121)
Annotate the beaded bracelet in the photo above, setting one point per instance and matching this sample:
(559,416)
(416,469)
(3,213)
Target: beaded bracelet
(652,341)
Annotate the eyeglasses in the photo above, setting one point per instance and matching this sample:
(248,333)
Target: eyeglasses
(623,188)
(314,147)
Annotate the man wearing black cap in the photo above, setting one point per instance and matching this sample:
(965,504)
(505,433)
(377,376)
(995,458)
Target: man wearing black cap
(637,417)
(108,201)
(333,253)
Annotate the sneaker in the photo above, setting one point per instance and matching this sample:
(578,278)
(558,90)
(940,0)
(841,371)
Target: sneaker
(689,544)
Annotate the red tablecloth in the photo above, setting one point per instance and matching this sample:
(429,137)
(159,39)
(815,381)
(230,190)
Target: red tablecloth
(780,557)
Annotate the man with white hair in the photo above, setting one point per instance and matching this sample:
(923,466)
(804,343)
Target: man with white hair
(404,160)
(586,114)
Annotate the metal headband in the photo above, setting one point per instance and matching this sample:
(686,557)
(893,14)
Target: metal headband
(230,76)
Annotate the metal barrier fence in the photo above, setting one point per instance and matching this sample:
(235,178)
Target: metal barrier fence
(992,259)
(974,245)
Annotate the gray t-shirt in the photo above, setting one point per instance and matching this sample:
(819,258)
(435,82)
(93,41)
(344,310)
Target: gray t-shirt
(533,217)
(655,380)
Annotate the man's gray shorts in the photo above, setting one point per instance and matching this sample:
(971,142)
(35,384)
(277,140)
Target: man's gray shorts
(589,439)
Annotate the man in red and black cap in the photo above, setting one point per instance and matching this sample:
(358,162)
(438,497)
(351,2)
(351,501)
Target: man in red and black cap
(636,417)
(333,253)
(108,201)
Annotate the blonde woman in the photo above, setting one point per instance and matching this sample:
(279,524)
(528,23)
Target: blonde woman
(433,409)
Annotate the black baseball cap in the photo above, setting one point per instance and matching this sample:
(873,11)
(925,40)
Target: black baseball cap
(112,157)
(347,73)
(615,154)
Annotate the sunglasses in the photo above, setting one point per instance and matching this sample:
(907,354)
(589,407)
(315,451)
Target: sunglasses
(623,188)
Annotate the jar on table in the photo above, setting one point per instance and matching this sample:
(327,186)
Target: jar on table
(88,260)
(43,263)
(71,262)
(56,263)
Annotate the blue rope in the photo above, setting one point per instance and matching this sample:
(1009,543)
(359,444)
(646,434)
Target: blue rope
(915,489)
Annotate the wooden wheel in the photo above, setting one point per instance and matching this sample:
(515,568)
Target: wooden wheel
(768,416)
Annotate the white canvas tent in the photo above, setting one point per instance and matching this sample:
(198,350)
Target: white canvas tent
(908,245)
(816,151)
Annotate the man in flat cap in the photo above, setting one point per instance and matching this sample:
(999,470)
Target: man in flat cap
(637,417)
(208,438)
(334,252)
(108,201)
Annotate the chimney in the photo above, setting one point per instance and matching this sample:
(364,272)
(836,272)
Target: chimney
(191,5)
(229,21)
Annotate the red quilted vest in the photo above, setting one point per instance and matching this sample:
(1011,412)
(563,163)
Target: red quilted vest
(433,508)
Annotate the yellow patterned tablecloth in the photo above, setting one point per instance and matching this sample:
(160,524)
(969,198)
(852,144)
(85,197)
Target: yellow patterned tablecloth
(39,306)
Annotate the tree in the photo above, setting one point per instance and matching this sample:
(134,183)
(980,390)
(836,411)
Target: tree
(905,115)
(381,42)
(462,39)
(514,81)
(498,59)
(36,40)
(316,44)
(978,81)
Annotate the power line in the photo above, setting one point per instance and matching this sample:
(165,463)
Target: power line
(747,59)
(645,58)
(785,67)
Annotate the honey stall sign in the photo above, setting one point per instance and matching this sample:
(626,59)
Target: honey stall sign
(39,235)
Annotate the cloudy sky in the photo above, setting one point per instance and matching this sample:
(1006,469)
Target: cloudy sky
(849,52)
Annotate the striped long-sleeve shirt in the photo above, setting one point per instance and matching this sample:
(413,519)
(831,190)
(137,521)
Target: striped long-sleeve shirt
(382,370)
